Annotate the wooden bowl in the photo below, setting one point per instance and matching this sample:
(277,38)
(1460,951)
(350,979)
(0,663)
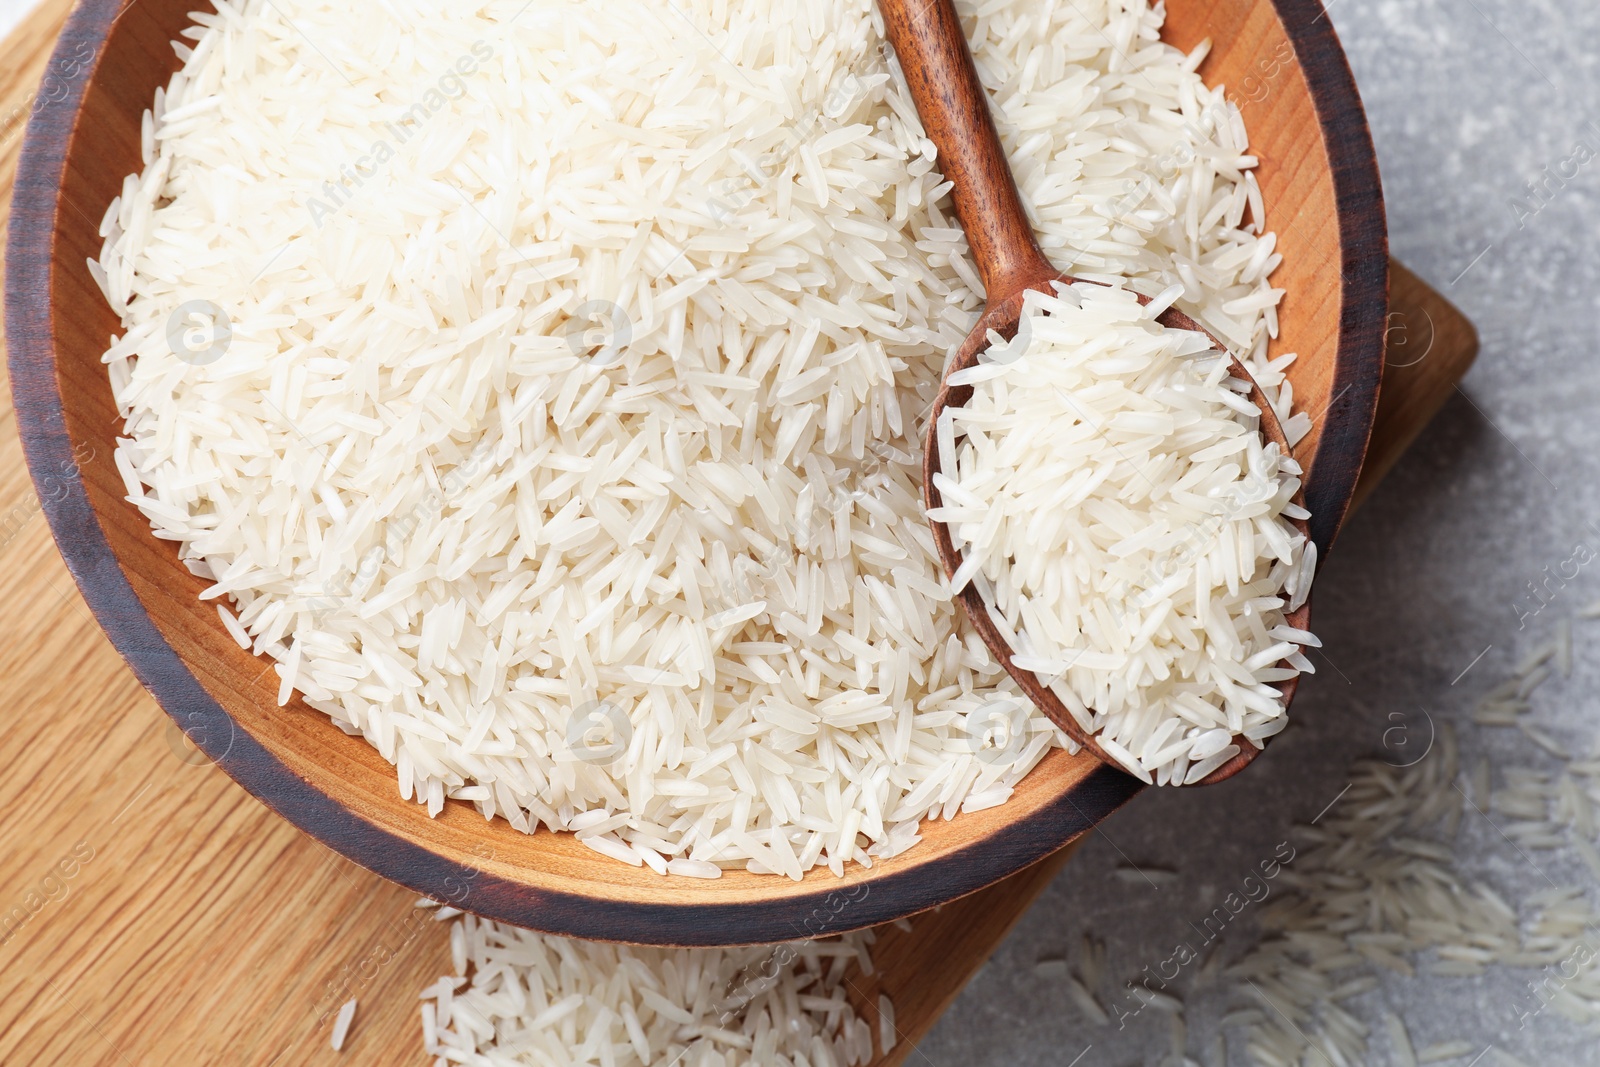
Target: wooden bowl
(1320,184)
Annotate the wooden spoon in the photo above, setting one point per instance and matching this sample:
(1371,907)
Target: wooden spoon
(943,81)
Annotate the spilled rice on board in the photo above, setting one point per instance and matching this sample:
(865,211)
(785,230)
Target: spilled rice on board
(519,997)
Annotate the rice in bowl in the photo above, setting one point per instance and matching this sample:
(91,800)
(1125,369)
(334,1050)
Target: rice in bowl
(538,385)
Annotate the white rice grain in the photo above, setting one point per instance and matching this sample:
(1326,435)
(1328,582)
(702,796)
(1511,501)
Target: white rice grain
(341,1024)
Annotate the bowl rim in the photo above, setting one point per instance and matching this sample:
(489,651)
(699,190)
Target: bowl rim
(98,572)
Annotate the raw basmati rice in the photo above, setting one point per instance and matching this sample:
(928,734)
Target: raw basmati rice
(1126,523)
(537,384)
(1379,885)
(519,997)
(1377,897)
(341,1024)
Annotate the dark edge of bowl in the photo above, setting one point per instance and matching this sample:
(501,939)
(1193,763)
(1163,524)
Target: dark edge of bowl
(1364,248)
(110,596)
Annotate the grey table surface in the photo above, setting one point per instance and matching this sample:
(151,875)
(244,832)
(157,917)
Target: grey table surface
(1469,101)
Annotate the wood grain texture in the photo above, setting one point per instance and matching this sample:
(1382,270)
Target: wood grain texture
(1429,342)
(203,928)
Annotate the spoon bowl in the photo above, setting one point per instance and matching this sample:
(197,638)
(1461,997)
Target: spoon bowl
(1003,318)
(943,81)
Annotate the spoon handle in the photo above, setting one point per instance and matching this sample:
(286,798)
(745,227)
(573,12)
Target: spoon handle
(933,53)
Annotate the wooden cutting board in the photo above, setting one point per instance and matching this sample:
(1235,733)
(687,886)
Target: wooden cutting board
(152,912)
